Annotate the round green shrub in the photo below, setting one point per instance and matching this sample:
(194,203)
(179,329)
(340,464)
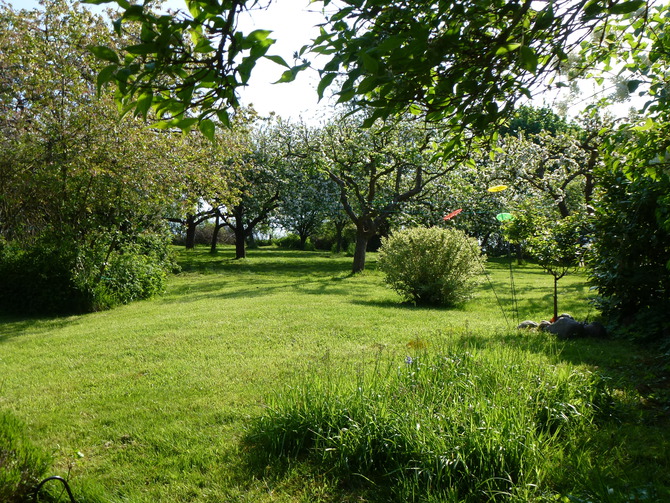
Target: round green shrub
(430,265)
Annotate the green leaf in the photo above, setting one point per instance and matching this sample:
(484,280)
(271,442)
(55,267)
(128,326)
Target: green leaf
(245,68)
(325,81)
(258,35)
(626,7)
(367,84)
(341,14)
(290,75)
(208,129)
(255,38)
(544,19)
(116,24)
(279,60)
(144,104)
(184,124)
(391,43)
(104,53)
(134,13)
(507,48)
(142,48)
(203,46)
(592,9)
(633,85)
(370,63)
(224,117)
(370,121)
(346,95)
(648,125)
(528,58)
(105,76)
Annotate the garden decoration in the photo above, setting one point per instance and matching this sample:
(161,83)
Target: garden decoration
(507,217)
(66,487)
(497,188)
(452,214)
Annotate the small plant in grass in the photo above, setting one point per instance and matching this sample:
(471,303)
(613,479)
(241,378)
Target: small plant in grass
(458,426)
(430,265)
(22,465)
(558,248)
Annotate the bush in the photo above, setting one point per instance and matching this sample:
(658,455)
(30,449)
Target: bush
(58,277)
(292,242)
(631,254)
(39,279)
(430,266)
(22,465)
(136,270)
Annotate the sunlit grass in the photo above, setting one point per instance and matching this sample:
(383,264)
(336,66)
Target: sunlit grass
(149,402)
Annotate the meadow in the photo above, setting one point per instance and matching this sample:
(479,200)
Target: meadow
(202,394)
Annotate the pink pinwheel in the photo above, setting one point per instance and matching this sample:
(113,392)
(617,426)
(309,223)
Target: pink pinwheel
(452,214)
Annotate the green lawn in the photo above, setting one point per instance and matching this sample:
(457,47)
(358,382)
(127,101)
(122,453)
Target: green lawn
(150,402)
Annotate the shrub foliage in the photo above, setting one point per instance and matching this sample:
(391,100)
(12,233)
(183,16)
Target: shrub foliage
(56,276)
(631,254)
(430,265)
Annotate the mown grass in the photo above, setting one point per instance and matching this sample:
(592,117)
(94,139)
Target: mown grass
(156,401)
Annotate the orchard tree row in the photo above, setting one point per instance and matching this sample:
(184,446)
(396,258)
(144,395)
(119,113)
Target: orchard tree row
(427,120)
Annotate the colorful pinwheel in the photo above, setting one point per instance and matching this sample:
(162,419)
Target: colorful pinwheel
(452,214)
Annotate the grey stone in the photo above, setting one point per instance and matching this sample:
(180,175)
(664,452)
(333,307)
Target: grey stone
(527,324)
(596,330)
(566,328)
(544,324)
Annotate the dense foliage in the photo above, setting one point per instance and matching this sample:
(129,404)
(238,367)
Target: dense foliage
(430,265)
(631,261)
(464,63)
(631,255)
(82,191)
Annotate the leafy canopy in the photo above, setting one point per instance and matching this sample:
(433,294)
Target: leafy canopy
(461,62)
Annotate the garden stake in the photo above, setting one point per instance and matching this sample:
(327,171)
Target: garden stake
(55,477)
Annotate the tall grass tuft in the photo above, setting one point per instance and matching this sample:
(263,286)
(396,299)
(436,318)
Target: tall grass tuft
(22,465)
(468,425)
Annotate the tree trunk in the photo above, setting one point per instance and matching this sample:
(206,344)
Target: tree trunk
(240,244)
(519,254)
(555,297)
(338,237)
(239,231)
(563,209)
(215,234)
(359,254)
(190,232)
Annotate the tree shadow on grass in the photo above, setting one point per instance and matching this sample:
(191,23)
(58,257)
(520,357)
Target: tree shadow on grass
(399,304)
(306,480)
(221,286)
(14,326)
(264,262)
